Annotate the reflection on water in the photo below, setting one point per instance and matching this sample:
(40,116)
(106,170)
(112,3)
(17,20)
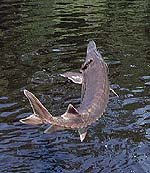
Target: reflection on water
(41,39)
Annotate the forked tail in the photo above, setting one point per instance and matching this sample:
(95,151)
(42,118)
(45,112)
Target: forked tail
(40,113)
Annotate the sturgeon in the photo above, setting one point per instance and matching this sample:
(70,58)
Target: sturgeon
(93,77)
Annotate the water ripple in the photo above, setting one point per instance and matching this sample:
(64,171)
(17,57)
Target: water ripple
(41,39)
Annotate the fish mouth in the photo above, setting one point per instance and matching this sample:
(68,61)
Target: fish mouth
(91,46)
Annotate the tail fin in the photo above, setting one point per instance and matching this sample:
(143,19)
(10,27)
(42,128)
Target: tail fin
(32,119)
(40,113)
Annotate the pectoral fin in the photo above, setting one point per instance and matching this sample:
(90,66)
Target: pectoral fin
(82,133)
(53,128)
(74,77)
(114,92)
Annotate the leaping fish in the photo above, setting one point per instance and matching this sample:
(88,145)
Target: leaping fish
(93,77)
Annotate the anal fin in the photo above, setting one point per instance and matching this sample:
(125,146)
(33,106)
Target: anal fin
(82,133)
(53,128)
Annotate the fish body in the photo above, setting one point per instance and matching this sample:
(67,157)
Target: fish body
(93,77)
(95,89)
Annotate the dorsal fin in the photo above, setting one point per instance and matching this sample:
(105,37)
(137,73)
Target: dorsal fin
(71,113)
(72,110)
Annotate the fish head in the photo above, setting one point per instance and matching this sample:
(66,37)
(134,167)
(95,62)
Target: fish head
(92,56)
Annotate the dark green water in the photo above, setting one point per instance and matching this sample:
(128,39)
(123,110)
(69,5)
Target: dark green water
(41,39)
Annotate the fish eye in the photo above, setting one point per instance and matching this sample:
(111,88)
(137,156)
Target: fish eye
(86,64)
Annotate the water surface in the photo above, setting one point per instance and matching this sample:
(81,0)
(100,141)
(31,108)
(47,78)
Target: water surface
(41,39)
